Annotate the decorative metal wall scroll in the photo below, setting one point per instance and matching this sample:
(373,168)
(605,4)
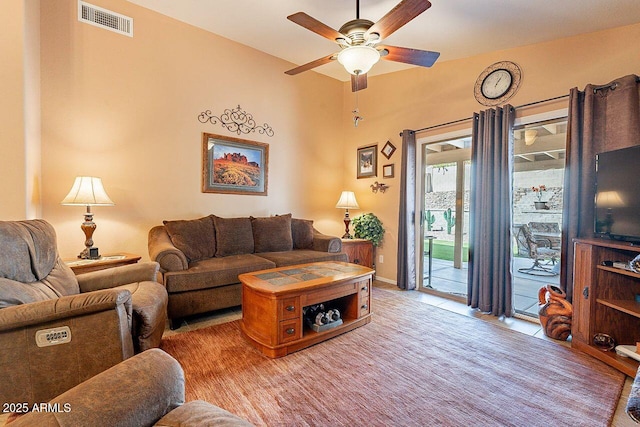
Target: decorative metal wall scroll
(236,120)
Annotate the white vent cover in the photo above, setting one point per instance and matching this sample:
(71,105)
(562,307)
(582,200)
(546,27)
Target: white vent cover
(104,18)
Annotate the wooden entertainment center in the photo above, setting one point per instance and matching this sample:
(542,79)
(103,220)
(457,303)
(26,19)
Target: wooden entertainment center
(606,300)
(273,302)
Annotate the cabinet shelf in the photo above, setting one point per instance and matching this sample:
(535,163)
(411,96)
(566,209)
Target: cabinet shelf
(619,271)
(626,365)
(630,307)
(604,300)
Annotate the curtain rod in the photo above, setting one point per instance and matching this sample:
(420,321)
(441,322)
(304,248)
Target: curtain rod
(471,118)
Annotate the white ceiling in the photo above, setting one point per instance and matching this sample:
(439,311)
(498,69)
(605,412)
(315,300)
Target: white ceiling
(455,28)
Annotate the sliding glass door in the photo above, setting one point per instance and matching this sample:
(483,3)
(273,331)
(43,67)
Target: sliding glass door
(538,177)
(445,215)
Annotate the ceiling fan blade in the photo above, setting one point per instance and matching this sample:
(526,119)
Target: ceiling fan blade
(316,26)
(358,82)
(310,65)
(423,58)
(404,12)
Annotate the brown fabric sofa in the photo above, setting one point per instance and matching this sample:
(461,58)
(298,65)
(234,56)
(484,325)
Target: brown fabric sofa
(145,390)
(56,329)
(201,259)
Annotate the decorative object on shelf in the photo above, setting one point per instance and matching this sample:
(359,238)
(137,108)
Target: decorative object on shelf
(388,171)
(88,191)
(236,120)
(379,186)
(497,83)
(604,342)
(388,149)
(234,166)
(368,161)
(368,226)
(347,201)
(555,312)
(539,204)
(634,264)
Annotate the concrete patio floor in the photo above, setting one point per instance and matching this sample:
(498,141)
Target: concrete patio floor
(454,281)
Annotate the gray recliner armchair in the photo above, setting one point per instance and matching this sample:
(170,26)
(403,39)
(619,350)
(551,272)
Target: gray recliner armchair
(56,329)
(145,390)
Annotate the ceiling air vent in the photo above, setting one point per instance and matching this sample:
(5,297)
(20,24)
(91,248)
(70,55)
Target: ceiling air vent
(104,18)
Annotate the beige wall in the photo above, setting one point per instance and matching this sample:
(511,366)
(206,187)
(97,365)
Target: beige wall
(420,97)
(20,109)
(125,109)
(12,143)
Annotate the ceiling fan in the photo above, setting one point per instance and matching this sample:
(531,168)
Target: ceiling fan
(358,40)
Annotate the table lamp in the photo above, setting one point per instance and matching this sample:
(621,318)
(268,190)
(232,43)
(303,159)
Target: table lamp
(347,201)
(88,191)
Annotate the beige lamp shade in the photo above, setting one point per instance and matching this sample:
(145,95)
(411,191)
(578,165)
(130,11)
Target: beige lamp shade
(87,191)
(347,201)
(609,199)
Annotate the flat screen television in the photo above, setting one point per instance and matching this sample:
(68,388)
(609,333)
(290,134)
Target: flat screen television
(617,200)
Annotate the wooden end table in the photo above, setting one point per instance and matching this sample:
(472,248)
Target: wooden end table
(273,302)
(81,266)
(359,251)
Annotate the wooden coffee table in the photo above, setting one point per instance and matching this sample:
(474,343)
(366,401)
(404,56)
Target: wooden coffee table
(273,302)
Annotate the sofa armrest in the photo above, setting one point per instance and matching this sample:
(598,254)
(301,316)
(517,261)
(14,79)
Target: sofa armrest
(138,391)
(326,243)
(41,312)
(163,251)
(118,276)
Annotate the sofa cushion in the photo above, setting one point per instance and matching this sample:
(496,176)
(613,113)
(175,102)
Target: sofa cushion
(272,234)
(302,233)
(16,293)
(234,236)
(302,256)
(214,272)
(195,238)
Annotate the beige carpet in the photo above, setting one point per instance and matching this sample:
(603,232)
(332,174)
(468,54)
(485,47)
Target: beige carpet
(413,365)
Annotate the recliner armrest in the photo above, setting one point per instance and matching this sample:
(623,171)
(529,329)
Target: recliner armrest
(137,391)
(326,243)
(19,316)
(118,276)
(163,251)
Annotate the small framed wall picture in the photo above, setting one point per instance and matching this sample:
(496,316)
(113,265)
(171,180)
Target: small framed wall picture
(368,161)
(388,149)
(388,171)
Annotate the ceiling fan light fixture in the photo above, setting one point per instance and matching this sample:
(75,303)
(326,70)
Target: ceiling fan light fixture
(530,136)
(358,59)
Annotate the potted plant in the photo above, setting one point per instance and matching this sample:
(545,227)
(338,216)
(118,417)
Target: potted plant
(368,226)
(539,204)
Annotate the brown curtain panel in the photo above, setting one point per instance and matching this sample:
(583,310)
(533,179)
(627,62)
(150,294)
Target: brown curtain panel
(489,283)
(406,271)
(601,118)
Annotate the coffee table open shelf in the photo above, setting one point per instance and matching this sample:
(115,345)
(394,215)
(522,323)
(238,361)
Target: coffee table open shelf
(273,302)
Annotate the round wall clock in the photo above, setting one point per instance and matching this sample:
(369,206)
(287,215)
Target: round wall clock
(497,83)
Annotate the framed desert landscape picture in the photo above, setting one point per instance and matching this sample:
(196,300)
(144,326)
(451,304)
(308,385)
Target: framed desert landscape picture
(368,161)
(234,166)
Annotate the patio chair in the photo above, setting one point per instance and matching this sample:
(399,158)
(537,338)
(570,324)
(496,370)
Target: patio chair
(547,230)
(540,250)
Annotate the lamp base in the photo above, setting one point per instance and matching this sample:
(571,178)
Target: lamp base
(347,221)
